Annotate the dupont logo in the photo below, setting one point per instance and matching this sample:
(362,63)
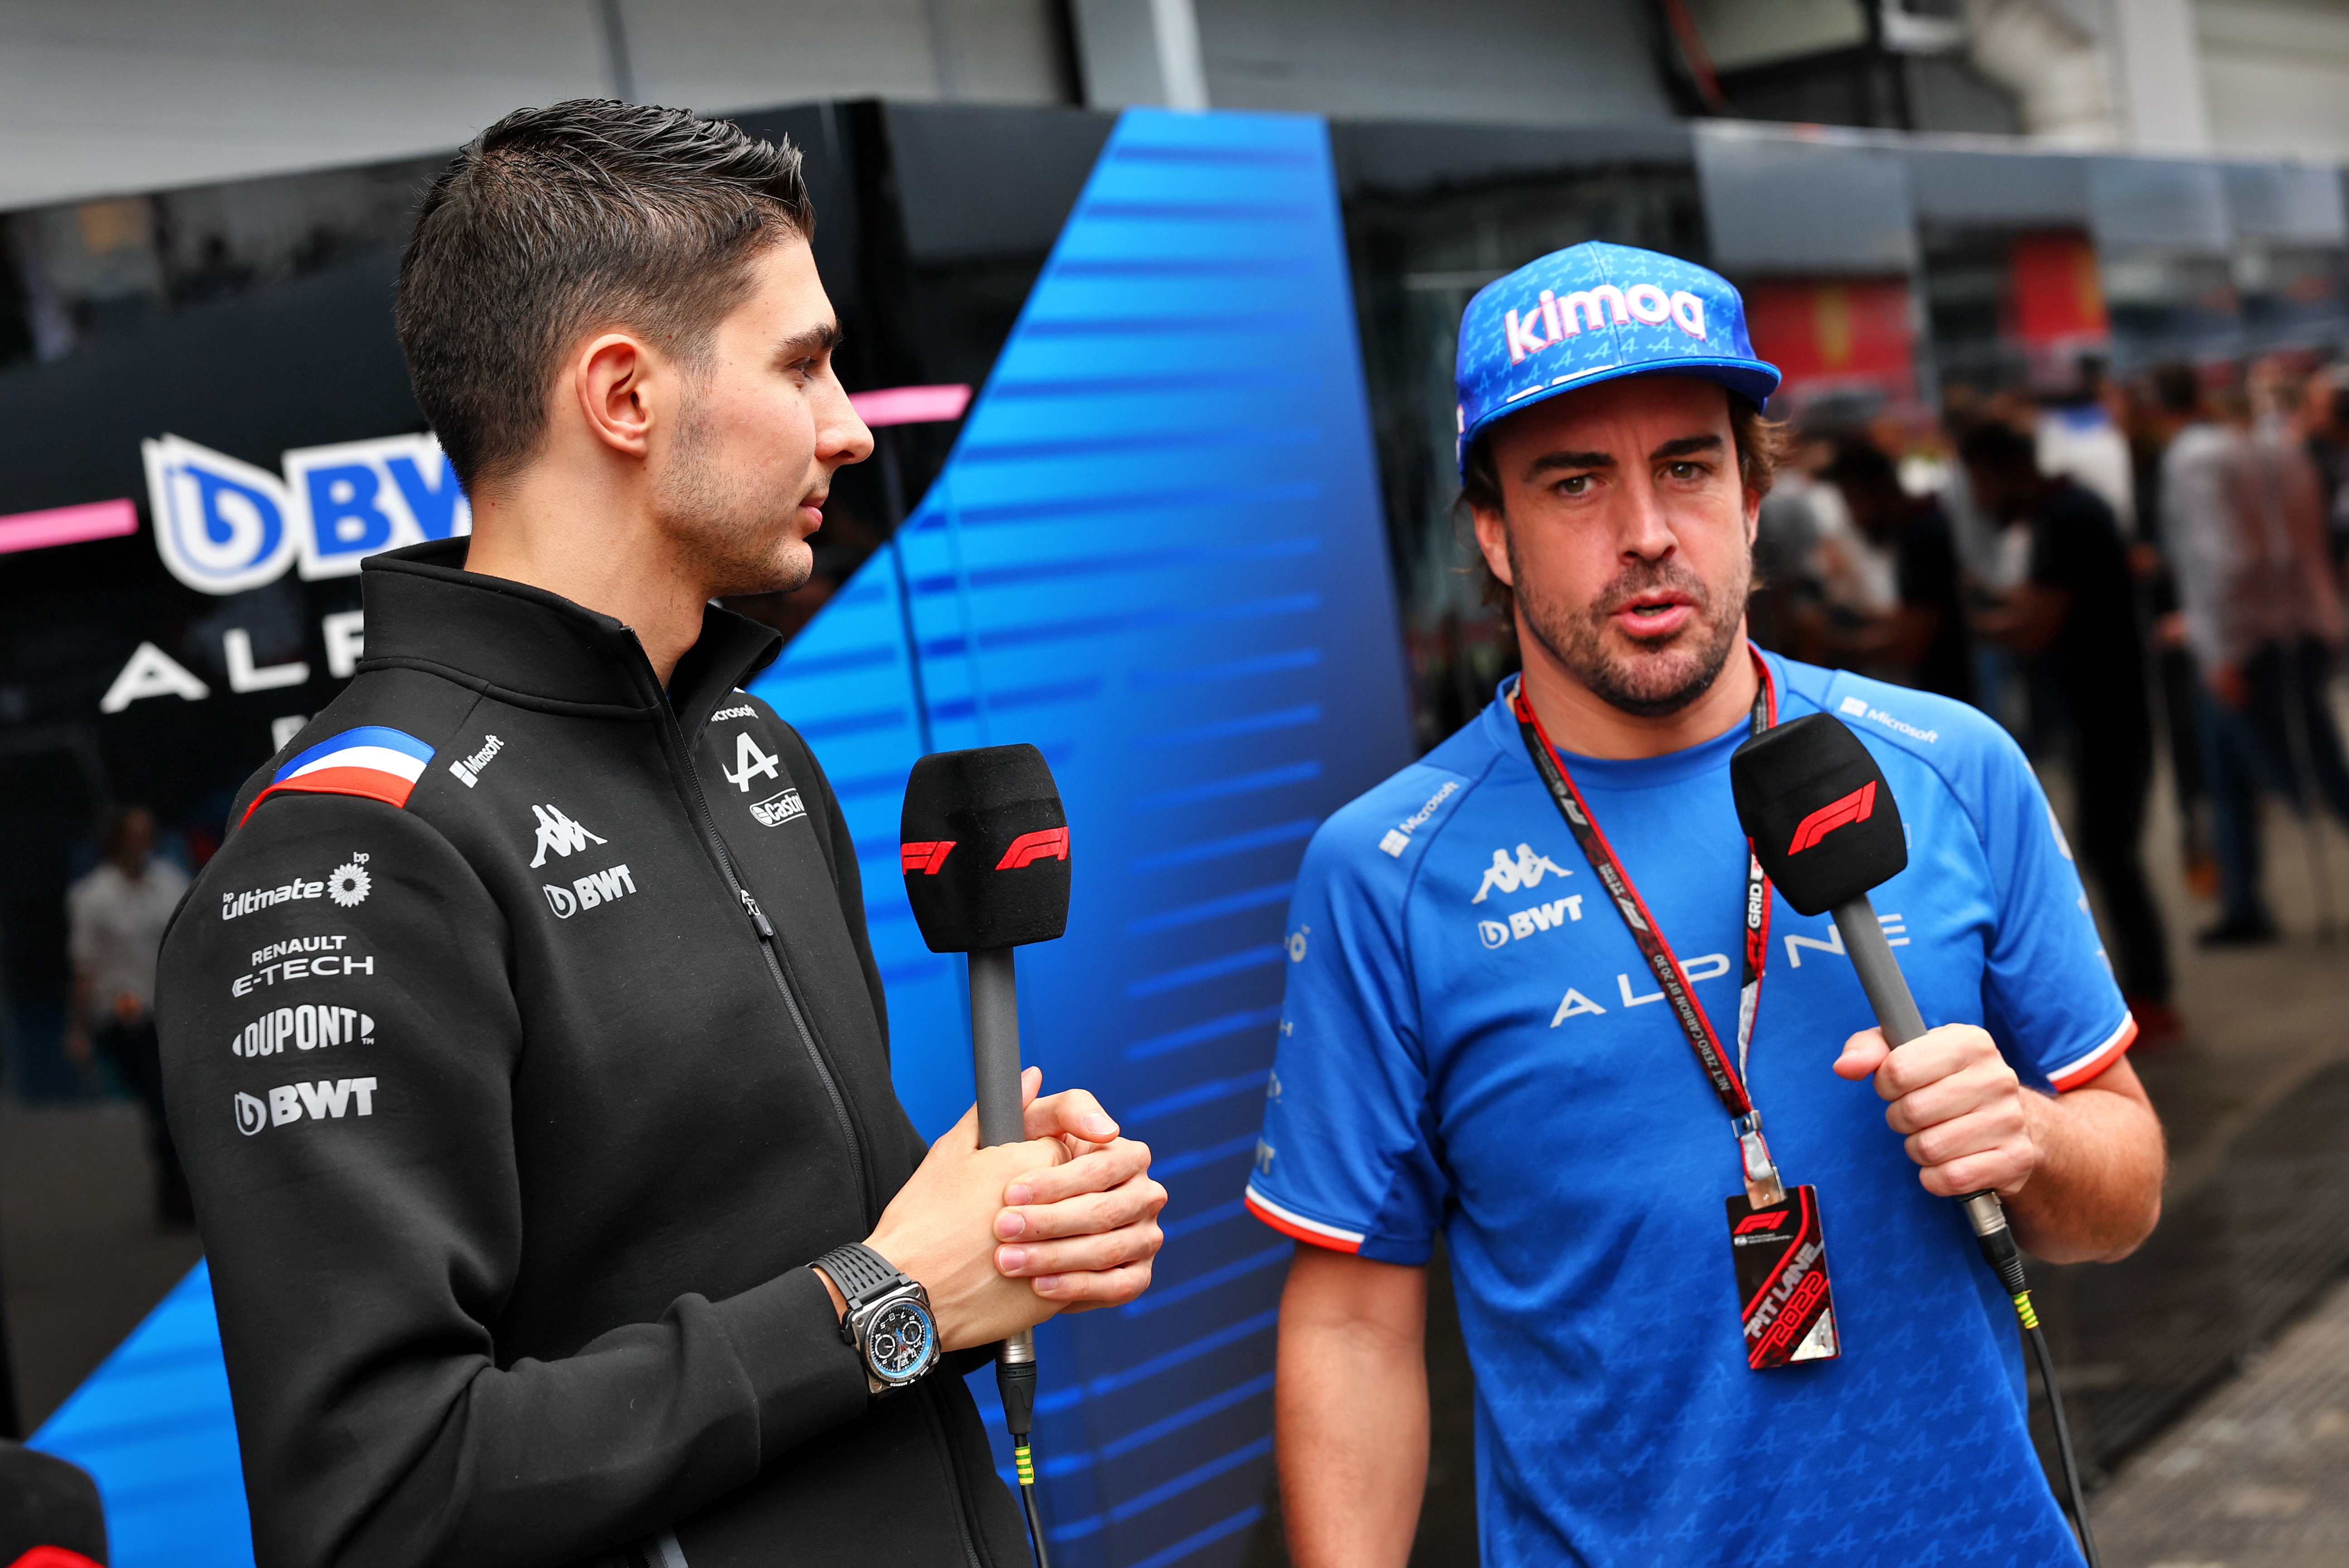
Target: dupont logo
(1853,807)
(1046,843)
(1753,1222)
(1557,318)
(925,857)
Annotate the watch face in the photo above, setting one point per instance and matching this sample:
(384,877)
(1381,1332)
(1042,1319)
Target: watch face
(900,1343)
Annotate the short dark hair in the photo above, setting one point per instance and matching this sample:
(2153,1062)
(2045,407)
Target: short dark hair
(1998,447)
(554,221)
(1763,444)
(1863,465)
(2176,388)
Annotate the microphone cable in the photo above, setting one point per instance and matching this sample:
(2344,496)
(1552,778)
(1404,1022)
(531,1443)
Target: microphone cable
(1015,1380)
(1996,1238)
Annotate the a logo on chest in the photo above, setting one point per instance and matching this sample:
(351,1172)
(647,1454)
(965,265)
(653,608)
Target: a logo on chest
(1632,990)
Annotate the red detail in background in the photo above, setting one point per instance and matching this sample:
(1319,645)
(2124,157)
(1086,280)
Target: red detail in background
(1835,335)
(2054,297)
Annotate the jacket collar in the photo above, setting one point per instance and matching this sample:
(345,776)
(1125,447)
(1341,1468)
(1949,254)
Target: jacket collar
(537,649)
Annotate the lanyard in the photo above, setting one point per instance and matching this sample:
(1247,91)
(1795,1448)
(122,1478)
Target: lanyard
(1762,1184)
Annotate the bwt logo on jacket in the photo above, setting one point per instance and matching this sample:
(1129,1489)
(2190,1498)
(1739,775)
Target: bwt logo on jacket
(1556,320)
(223,526)
(293,1102)
(594,888)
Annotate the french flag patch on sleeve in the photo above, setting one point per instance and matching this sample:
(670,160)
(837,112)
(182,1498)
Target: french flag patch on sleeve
(374,761)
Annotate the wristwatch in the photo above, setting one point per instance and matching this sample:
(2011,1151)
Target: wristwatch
(888,1317)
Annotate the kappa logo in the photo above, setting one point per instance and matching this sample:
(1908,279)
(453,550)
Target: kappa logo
(322,1101)
(1856,806)
(594,888)
(1525,871)
(1556,319)
(778,809)
(1398,837)
(560,833)
(751,762)
(469,769)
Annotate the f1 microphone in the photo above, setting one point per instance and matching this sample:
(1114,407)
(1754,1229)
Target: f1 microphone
(1825,826)
(984,844)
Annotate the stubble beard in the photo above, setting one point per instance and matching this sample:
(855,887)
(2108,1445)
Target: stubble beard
(727,529)
(1667,674)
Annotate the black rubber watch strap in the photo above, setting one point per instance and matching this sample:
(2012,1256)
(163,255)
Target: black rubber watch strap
(859,1271)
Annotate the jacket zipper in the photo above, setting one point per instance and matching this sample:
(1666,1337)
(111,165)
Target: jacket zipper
(766,934)
(765,931)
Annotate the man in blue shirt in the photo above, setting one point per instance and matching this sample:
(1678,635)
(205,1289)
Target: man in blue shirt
(1473,1042)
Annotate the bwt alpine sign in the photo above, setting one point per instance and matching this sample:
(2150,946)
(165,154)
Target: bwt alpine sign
(223,526)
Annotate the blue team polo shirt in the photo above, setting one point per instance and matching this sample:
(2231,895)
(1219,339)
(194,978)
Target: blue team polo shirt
(1471,1041)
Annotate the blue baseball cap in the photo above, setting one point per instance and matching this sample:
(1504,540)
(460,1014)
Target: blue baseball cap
(1595,312)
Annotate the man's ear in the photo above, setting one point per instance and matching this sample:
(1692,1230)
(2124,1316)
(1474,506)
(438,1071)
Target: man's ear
(1492,539)
(611,375)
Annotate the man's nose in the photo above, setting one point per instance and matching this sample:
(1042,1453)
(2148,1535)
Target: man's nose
(1645,531)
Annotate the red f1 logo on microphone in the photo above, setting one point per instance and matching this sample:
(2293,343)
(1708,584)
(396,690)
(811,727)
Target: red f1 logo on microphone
(1051,844)
(1853,807)
(924,857)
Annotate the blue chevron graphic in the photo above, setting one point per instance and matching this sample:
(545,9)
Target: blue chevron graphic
(1156,552)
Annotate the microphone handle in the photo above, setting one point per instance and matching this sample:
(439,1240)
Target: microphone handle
(1896,1014)
(995,1046)
(995,1066)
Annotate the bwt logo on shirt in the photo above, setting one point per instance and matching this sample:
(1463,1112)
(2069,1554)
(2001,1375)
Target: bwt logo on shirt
(293,1102)
(1554,320)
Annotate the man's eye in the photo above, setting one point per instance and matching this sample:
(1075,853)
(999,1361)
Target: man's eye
(1685,469)
(1575,484)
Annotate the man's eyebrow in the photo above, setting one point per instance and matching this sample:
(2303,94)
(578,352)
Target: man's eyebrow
(1685,446)
(822,338)
(1554,461)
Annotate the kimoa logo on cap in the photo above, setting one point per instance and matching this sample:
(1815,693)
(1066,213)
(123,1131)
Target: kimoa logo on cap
(1558,317)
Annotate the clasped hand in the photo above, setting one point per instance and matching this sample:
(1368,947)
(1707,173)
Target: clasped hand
(1966,1115)
(1004,1238)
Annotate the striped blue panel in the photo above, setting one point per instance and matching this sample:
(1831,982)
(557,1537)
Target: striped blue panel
(1156,553)
(153,1425)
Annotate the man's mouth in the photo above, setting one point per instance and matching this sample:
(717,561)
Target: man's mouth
(1653,615)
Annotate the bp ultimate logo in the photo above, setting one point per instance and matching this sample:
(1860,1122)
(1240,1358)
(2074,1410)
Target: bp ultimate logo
(223,526)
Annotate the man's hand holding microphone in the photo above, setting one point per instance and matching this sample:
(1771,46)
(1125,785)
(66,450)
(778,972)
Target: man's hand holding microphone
(1006,1237)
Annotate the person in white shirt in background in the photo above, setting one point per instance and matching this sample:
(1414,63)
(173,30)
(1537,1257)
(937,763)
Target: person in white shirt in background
(116,916)
(2242,518)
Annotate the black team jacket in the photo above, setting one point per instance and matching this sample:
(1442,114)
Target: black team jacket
(517,1100)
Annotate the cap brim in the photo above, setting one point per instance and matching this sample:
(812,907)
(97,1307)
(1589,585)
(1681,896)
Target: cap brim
(1753,379)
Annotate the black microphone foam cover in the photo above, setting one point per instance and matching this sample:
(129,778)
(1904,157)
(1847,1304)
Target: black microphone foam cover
(1822,819)
(985,847)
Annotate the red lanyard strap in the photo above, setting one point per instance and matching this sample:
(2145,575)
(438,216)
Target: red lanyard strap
(1762,1184)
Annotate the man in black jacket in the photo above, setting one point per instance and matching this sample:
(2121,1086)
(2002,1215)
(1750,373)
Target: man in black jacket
(524,1039)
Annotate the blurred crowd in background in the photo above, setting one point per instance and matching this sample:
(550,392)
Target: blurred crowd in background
(2125,572)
